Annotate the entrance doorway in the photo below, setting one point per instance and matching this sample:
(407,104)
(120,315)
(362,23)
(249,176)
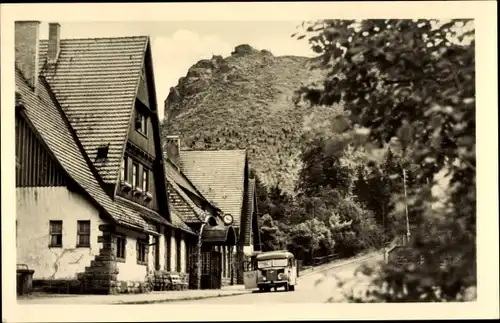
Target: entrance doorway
(211,265)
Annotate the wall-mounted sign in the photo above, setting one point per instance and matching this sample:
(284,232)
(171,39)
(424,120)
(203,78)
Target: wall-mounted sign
(228,219)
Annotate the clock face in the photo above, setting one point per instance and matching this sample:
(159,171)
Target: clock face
(228,219)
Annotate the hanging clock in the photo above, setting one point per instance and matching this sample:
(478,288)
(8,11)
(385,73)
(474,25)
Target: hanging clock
(228,219)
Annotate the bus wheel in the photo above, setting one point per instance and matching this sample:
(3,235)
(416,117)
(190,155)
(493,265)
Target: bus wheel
(287,287)
(292,288)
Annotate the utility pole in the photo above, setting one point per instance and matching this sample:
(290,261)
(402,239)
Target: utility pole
(312,235)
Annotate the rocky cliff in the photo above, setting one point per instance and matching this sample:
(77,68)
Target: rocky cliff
(242,101)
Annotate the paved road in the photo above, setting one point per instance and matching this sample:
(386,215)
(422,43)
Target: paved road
(307,290)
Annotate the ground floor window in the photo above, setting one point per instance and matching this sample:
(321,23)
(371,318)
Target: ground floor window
(120,247)
(142,251)
(83,232)
(55,233)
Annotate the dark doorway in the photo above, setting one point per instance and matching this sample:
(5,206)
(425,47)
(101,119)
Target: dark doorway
(211,265)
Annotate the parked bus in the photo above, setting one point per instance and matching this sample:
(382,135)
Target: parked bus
(272,269)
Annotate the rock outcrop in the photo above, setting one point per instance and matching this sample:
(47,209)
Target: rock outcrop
(244,101)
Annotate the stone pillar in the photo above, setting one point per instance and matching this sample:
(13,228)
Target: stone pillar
(101,276)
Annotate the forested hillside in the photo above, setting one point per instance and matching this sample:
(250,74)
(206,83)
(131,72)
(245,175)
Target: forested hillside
(245,101)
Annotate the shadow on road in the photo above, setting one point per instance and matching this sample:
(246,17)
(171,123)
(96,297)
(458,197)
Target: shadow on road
(259,292)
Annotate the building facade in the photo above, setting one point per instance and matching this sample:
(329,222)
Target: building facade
(218,241)
(222,176)
(90,176)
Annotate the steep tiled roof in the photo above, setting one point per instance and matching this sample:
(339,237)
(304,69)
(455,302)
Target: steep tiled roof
(178,223)
(144,212)
(184,206)
(175,175)
(219,175)
(249,209)
(177,182)
(50,124)
(95,82)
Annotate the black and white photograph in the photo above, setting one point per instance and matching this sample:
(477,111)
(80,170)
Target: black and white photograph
(318,159)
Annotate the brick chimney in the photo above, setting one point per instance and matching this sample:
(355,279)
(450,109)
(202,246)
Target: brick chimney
(172,148)
(54,42)
(27,38)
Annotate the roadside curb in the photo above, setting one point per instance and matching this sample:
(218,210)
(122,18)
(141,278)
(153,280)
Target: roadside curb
(185,298)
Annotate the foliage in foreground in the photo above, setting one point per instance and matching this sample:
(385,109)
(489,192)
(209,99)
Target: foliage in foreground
(411,84)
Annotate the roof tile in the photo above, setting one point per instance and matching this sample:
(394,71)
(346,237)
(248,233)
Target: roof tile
(85,71)
(219,175)
(49,122)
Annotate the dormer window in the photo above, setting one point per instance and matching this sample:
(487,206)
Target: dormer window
(141,124)
(102,152)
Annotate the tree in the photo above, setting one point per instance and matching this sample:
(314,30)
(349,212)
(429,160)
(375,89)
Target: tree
(272,236)
(308,236)
(279,203)
(261,191)
(322,169)
(412,81)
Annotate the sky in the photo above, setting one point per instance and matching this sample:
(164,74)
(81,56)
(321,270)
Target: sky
(176,46)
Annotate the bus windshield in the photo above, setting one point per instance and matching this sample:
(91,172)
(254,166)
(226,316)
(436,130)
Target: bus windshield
(272,263)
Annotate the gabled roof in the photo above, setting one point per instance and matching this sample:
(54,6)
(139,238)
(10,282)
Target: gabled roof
(95,81)
(44,114)
(178,222)
(219,175)
(184,207)
(173,173)
(177,185)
